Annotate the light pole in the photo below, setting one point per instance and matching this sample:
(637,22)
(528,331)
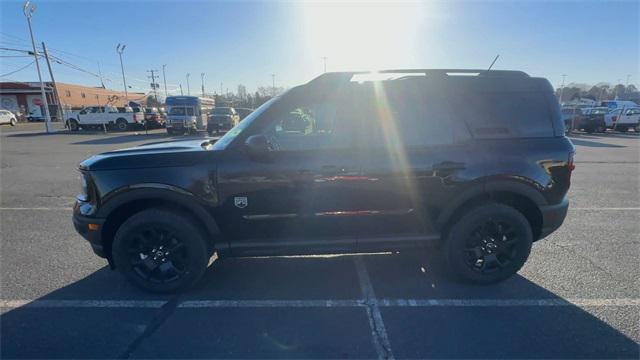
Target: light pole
(562,87)
(324,60)
(202,78)
(273,84)
(618,83)
(28,10)
(188,89)
(120,50)
(164,79)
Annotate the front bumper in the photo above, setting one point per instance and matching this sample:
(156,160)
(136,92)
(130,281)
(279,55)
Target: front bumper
(93,236)
(552,217)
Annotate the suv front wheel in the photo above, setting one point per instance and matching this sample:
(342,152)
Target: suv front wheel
(160,251)
(488,244)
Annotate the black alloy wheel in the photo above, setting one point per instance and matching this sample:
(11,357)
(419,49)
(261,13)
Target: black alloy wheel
(491,246)
(157,255)
(488,244)
(161,251)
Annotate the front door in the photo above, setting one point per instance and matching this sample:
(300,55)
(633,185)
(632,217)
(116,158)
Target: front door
(297,197)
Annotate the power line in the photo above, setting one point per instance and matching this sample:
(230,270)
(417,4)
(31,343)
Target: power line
(15,71)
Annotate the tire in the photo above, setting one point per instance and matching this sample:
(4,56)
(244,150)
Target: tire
(589,129)
(12,122)
(122,124)
(179,267)
(479,259)
(170,132)
(73,125)
(622,128)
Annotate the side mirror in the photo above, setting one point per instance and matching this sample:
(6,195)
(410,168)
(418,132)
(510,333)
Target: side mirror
(258,147)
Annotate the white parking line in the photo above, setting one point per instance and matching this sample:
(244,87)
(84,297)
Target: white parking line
(191,304)
(378,331)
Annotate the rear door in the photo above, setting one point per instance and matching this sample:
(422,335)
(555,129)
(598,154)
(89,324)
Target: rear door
(414,162)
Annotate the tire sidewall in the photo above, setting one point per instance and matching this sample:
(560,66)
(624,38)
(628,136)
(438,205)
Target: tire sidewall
(121,124)
(461,230)
(183,228)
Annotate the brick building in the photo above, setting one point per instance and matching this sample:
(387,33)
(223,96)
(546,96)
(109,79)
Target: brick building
(25,97)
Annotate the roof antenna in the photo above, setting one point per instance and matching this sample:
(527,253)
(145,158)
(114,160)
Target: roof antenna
(494,61)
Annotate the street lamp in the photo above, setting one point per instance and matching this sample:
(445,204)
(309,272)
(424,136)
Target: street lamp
(562,87)
(120,50)
(202,77)
(188,89)
(28,10)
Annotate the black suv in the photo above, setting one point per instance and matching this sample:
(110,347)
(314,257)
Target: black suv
(473,160)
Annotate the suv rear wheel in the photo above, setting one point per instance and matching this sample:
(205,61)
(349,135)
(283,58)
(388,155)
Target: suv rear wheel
(488,244)
(160,251)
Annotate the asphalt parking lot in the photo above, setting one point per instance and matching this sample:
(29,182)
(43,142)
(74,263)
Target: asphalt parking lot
(577,297)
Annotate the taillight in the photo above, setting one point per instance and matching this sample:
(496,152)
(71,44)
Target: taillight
(571,164)
(135,118)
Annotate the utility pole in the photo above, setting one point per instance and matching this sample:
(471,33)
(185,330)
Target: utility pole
(53,81)
(100,74)
(28,10)
(273,84)
(324,60)
(164,79)
(202,78)
(181,93)
(562,87)
(154,86)
(188,88)
(120,50)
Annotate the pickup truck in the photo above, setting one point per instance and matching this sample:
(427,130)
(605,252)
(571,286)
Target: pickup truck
(592,120)
(623,119)
(99,116)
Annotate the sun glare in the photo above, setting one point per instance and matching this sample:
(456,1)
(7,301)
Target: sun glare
(362,36)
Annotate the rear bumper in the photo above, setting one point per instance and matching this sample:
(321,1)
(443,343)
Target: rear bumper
(94,237)
(553,216)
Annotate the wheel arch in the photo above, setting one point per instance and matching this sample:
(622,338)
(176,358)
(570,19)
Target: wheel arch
(127,202)
(517,195)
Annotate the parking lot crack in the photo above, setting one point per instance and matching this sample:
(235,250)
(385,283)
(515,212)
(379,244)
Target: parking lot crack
(160,317)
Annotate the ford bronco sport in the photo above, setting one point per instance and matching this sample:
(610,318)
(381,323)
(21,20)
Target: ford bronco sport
(475,161)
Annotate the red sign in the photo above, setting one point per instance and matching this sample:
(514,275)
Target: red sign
(37,102)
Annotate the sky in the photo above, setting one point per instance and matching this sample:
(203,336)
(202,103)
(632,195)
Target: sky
(246,42)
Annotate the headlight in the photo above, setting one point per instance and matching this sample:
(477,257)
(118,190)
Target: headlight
(84,188)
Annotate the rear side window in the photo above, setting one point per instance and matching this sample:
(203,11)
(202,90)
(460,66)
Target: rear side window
(505,115)
(406,114)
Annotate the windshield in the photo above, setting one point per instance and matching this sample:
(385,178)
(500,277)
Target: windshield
(237,130)
(181,111)
(221,111)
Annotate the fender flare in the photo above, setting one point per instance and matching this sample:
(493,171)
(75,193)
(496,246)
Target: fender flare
(486,189)
(153,191)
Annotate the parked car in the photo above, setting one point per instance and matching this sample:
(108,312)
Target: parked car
(7,117)
(99,116)
(222,118)
(153,118)
(330,167)
(571,117)
(243,112)
(592,120)
(623,119)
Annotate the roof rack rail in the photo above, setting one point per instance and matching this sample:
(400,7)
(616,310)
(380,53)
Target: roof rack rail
(333,77)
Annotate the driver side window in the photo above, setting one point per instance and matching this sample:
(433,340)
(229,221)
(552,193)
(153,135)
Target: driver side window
(308,126)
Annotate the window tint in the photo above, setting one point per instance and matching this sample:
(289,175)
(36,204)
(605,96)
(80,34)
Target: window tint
(406,113)
(507,114)
(309,125)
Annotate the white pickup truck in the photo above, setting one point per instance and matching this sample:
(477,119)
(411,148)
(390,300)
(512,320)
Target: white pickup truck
(623,119)
(100,116)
